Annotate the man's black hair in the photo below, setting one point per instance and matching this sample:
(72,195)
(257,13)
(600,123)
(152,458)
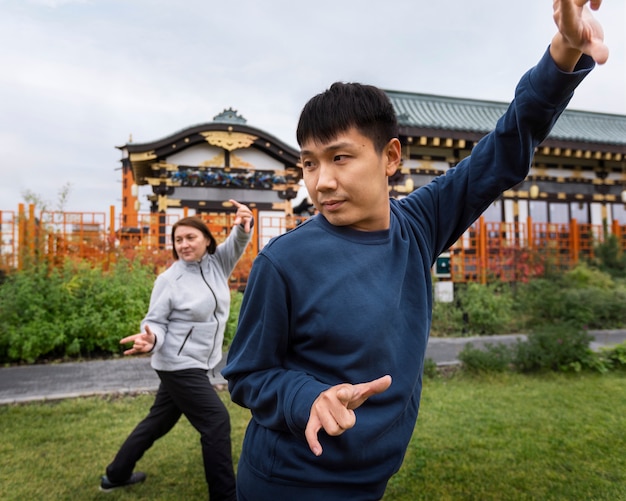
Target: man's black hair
(347,105)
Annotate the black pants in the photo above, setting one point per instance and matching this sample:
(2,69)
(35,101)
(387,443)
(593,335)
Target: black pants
(187,392)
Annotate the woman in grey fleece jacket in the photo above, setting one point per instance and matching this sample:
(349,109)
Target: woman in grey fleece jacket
(184,331)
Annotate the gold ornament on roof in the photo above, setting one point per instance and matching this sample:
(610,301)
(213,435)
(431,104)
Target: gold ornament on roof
(236,161)
(230,141)
(163,202)
(216,161)
(142,156)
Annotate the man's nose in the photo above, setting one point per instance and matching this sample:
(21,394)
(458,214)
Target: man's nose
(326,179)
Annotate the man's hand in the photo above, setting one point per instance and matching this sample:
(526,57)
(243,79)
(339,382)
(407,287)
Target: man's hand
(579,32)
(142,342)
(333,409)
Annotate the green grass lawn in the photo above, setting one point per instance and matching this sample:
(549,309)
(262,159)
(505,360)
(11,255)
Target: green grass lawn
(506,437)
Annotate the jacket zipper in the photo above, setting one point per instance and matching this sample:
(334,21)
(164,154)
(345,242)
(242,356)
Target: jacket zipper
(214,313)
(185,341)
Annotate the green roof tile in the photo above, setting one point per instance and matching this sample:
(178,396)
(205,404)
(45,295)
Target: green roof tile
(469,115)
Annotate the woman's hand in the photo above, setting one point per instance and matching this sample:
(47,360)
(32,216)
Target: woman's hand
(142,343)
(243,216)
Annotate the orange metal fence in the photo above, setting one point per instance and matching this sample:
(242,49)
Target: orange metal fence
(487,251)
(518,251)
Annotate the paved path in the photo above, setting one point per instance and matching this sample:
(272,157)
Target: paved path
(134,374)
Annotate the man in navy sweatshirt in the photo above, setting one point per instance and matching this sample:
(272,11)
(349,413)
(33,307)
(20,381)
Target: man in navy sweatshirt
(334,324)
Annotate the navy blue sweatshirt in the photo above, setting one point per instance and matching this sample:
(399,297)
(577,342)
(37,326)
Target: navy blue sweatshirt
(327,305)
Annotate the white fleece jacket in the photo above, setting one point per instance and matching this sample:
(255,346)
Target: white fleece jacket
(189,307)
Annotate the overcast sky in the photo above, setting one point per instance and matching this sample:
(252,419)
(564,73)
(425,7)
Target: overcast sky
(79,77)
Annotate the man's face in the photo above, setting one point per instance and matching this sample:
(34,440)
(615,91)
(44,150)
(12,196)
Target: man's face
(347,179)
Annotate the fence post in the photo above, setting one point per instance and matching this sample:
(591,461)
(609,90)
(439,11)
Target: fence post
(31,231)
(110,248)
(615,229)
(482,249)
(574,240)
(21,236)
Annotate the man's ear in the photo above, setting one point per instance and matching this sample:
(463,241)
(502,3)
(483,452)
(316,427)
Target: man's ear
(393,156)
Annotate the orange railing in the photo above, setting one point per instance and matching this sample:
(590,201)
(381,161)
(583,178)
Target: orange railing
(518,251)
(487,251)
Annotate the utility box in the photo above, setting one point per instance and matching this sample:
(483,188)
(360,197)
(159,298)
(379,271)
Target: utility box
(442,265)
(444,291)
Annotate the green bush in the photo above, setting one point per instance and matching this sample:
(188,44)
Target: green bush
(77,310)
(558,347)
(615,356)
(486,309)
(610,258)
(595,308)
(539,301)
(584,297)
(233,318)
(582,276)
(494,358)
(71,311)
(430,368)
(447,320)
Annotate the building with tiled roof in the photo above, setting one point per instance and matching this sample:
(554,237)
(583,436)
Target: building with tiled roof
(579,171)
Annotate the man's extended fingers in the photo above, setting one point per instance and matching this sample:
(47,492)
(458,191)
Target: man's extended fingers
(312,428)
(593,4)
(599,52)
(379,385)
(579,28)
(336,419)
(362,391)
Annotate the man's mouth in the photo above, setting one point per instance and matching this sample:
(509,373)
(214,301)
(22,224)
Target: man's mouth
(332,205)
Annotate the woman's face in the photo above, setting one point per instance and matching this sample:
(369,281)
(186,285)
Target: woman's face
(190,243)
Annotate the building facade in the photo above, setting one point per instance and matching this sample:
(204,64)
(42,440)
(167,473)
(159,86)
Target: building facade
(578,172)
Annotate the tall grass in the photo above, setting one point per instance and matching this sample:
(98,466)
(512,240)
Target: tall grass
(504,437)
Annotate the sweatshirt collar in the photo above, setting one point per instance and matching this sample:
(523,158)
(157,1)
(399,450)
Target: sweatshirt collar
(196,264)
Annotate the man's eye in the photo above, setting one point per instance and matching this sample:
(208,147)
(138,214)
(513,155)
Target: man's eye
(340,158)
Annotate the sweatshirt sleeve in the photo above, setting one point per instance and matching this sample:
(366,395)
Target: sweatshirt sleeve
(499,160)
(158,311)
(258,371)
(231,249)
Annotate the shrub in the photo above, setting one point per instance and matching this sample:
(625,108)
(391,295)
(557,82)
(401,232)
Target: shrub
(594,308)
(447,320)
(78,310)
(615,356)
(430,368)
(487,308)
(494,358)
(73,310)
(582,276)
(558,347)
(609,257)
(582,297)
(233,318)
